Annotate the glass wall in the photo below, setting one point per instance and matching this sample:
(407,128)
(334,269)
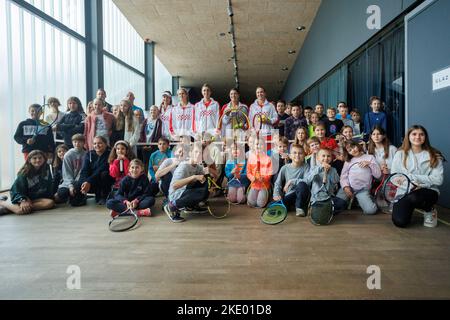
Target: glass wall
(122,41)
(120,80)
(36,60)
(68,12)
(163,81)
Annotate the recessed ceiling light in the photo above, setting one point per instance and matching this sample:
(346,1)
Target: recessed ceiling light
(301,28)
(285,68)
(222,34)
(292,51)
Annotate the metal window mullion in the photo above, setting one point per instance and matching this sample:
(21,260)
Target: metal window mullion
(47,18)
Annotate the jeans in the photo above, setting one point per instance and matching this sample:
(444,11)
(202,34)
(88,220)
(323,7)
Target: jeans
(365,201)
(193,194)
(299,197)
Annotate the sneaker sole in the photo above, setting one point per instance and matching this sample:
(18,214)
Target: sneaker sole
(166,210)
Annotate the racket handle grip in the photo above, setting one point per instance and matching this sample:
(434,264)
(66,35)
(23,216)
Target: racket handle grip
(121,166)
(325,177)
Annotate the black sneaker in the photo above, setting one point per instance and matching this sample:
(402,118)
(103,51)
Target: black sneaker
(201,208)
(195,209)
(101,202)
(178,218)
(172,213)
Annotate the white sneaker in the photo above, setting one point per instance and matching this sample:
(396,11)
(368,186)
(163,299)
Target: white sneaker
(300,212)
(430,219)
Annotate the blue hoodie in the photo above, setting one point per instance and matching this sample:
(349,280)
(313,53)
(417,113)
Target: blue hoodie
(372,119)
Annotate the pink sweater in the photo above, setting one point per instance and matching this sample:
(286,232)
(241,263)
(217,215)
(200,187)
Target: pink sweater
(89,127)
(360,178)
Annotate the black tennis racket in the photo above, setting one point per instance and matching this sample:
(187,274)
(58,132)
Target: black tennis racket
(275,213)
(321,213)
(397,186)
(124,221)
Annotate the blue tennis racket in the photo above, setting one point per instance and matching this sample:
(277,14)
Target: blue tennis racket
(275,213)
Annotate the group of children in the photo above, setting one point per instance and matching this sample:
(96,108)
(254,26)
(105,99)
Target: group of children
(289,155)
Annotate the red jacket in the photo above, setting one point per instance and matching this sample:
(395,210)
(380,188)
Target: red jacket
(114,170)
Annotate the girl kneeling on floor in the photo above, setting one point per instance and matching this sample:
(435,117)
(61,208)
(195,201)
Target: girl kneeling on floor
(32,190)
(423,164)
(134,192)
(355,171)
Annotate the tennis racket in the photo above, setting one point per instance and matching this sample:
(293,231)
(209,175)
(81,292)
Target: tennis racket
(356,175)
(321,213)
(257,123)
(218,207)
(275,213)
(397,186)
(124,221)
(41,124)
(239,120)
(380,200)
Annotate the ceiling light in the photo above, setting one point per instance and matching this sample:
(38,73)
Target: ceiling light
(301,28)
(230,11)
(233,44)
(285,68)
(231,30)
(222,34)
(292,51)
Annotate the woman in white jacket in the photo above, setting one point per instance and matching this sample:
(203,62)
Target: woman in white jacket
(423,165)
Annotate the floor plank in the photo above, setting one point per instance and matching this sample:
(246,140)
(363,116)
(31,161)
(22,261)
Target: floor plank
(234,258)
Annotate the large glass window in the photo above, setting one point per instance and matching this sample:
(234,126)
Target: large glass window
(36,60)
(163,81)
(120,38)
(68,12)
(122,41)
(120,80)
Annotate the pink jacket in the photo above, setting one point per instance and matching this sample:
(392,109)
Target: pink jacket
(89,127)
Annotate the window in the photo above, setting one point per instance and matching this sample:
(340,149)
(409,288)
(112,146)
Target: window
(68,12)
(36,60)
(122,41)
(120,80)
(163,81)
(119,37)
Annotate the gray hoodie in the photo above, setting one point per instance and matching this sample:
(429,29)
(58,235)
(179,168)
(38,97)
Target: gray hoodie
(72,164)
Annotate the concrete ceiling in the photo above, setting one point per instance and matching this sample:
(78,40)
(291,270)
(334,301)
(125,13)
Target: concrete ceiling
(188,42)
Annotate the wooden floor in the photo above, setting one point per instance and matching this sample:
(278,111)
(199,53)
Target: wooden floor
(235,258)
